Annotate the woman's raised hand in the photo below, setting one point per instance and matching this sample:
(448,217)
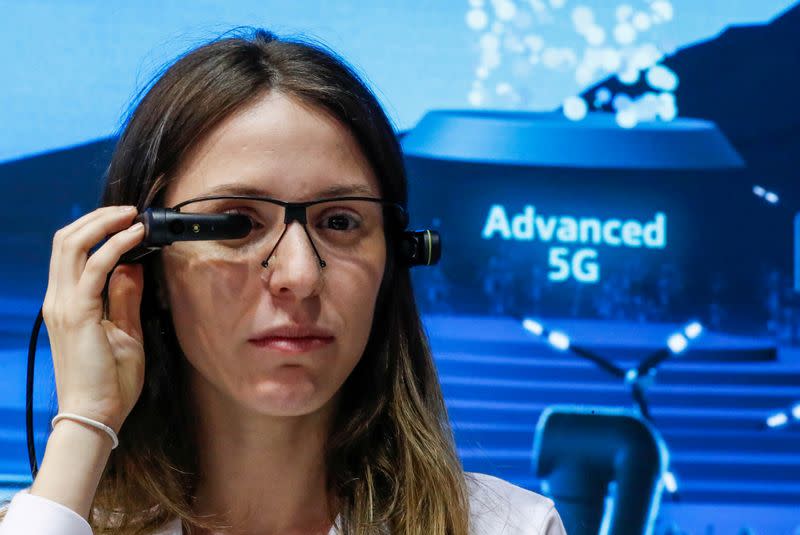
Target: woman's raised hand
(98,362)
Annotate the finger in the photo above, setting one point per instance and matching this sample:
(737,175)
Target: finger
(56,273)
(99,265)
(125,299)
(76,242)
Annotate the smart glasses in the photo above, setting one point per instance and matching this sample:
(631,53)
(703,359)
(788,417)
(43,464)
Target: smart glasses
(249,228)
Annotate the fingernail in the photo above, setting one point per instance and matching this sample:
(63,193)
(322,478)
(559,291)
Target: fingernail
(126,209)
(136,228)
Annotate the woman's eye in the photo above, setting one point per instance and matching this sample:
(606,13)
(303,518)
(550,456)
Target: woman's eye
(249,214)
(341,222)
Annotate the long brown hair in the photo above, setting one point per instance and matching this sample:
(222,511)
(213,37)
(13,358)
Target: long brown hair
(390,456)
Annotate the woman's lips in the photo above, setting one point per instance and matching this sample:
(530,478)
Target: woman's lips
(291,345)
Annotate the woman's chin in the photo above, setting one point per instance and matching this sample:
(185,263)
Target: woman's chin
(288,391)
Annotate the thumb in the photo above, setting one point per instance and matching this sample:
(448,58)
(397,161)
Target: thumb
(125,298)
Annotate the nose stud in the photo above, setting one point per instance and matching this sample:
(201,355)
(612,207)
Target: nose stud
(266,263)
(322,263)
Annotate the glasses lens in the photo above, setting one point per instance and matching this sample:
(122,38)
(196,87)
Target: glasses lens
(338,228)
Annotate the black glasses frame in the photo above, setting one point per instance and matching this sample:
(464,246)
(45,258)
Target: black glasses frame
(296,211)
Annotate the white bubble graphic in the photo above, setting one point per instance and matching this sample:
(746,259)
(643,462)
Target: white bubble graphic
(489,41)
(582,18)
(505,10)
(624,34)
(554,58)
(551,58)
(645,57)
(517,38)
(622,102)
(667,110)
(628,76)
(661,77)
(663,9)
(647,107)
(575,108)
(475,98)
(611,59)
(584,75)
(667,99)
(491,59)
(477,19)
(595,36)
(592,58)
(503,88)
(624,12)
(538,6)
(641,21)
(627,118)
(534,42)
(602,97)
(569,57)
(668,114)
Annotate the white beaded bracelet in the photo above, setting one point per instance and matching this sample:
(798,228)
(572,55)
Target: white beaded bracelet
(87,421)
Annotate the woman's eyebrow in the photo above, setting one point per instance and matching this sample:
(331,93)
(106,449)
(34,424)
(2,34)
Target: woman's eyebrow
(331,191)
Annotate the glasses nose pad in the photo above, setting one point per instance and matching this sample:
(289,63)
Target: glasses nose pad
(265,263)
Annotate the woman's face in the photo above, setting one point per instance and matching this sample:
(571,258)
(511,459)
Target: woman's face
(289,151)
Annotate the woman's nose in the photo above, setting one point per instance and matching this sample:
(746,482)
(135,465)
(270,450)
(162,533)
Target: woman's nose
(294,265)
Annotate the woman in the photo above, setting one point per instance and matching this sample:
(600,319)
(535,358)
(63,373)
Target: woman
(281,383)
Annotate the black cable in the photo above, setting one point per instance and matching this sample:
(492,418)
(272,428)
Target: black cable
(601,362)
(29,394)
(653,361)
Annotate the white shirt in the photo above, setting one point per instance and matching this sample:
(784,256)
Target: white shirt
(496,508)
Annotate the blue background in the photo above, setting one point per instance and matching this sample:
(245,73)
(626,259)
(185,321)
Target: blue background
(70,70)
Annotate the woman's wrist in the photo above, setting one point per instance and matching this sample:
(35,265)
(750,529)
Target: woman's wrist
(73,463)
(87,421)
